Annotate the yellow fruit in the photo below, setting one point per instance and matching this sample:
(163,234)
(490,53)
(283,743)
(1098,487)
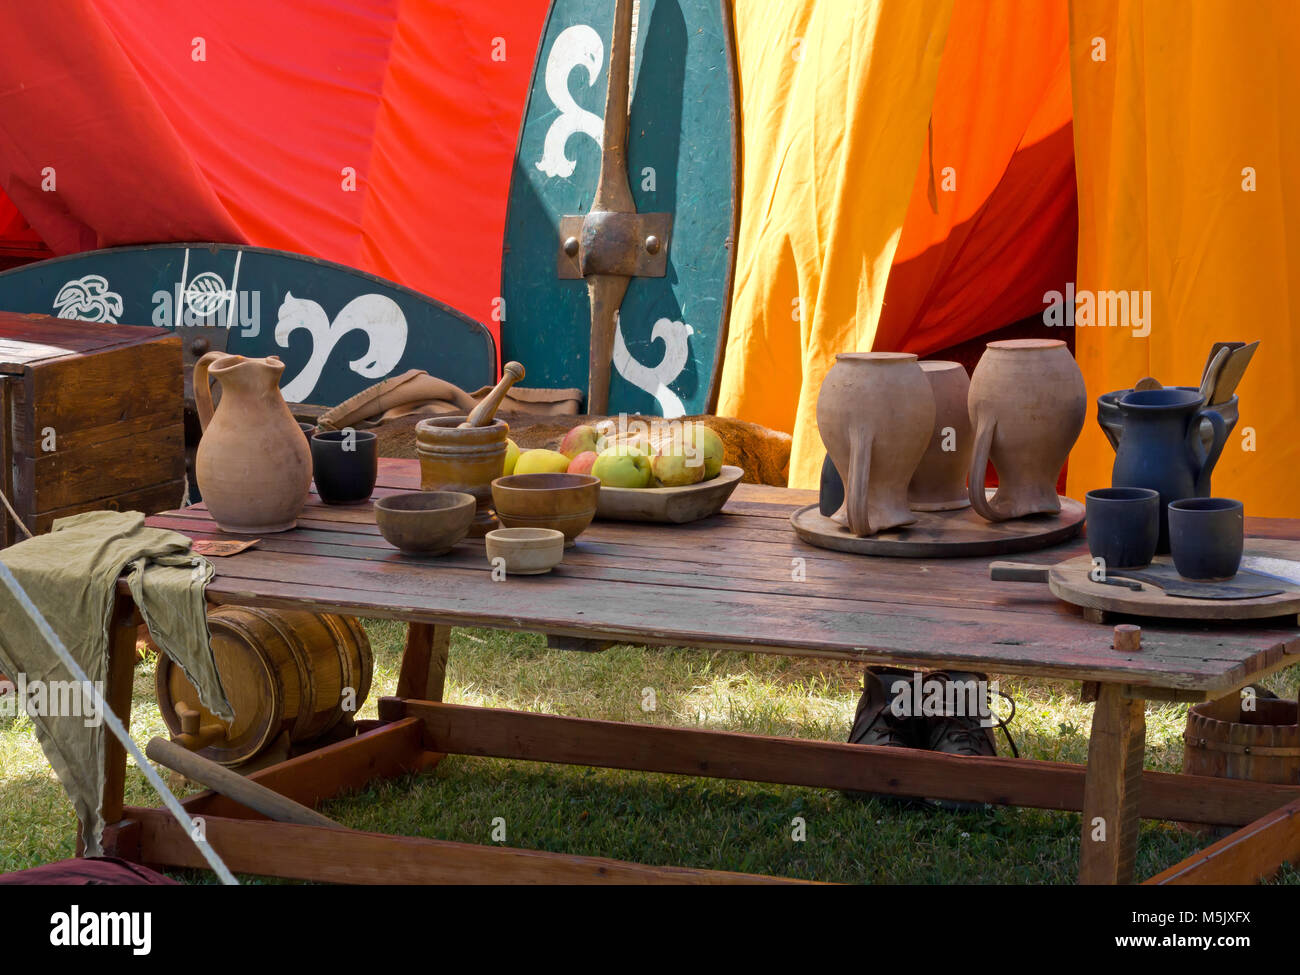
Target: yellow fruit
(703,439)
(541,462)
(512,457)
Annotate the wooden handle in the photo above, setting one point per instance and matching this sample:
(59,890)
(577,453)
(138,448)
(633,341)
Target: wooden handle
(1018,572)
(482,414)
(234,786)
(194,736)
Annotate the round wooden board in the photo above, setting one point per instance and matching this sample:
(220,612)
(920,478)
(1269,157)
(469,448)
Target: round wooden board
(1070,581)
(944,534)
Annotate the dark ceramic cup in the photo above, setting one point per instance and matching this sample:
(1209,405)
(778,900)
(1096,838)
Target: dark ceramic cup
(307,429)
(1123,525)
(1206,536)
(345,464)
(831,496)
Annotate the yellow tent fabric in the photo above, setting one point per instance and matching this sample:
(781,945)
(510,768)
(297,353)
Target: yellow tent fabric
(1187,148)
(835,98)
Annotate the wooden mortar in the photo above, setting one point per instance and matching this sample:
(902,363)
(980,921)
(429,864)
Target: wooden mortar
(456,458)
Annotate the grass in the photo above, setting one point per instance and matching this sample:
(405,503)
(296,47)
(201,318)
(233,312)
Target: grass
(665,819)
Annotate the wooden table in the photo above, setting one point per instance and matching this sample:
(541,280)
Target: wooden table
(738,581)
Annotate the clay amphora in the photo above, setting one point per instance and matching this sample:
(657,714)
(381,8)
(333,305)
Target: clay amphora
(939,483)
(253,465)
(875,412)
(1027,405)
(1160,447)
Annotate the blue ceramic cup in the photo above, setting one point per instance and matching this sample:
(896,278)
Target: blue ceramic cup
(1206,537)
(1123,525)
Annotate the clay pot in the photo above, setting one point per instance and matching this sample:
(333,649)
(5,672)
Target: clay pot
(466,459)
(875,412)
(939,483)
(253,465)
(1027,404)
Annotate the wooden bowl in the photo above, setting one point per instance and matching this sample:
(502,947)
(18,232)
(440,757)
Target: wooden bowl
(425,522)
(565,502)
(526,551)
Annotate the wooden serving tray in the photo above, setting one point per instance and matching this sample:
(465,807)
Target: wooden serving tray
(944,534)
(1071,581)
(669,505)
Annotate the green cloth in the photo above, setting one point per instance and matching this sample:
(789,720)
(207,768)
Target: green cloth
(71,574)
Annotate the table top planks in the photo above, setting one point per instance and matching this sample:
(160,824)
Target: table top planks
(739,580)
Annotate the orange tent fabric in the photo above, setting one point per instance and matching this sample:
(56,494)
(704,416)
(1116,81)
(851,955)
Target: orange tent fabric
(992,220)
(1187,140)
(376,133)
(977,146)
(833,99)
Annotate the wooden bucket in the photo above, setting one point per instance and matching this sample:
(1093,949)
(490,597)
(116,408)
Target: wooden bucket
(283,670)
(1227,742)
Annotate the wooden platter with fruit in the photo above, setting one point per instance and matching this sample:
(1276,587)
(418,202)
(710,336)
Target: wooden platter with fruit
(670,471)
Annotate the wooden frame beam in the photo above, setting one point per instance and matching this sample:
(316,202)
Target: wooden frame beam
(353,857)
(489,732)
(1248,856)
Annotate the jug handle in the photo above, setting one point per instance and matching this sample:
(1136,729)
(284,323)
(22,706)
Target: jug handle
(855,487)
(979,465)
(1206,464)
(202,387)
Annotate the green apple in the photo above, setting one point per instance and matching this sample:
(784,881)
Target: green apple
(675,467)
(705,441)
(622,468)
(582,463)
(512,457)
(579,440)
(541,462)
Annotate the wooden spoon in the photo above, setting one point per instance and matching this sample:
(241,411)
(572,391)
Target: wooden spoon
(1231,373)
(482,414)
(1211,377)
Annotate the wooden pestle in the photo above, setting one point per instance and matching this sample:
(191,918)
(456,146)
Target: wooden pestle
(486,409)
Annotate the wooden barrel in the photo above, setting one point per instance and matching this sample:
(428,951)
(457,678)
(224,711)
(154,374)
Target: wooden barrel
(283,670)
(1228,742)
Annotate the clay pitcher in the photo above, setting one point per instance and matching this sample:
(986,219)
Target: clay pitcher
(875,412)
(1161,447)
(1027,405)
(939,483)
(253,465)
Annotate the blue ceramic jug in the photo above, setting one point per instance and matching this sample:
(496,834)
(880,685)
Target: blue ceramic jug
(1161,448)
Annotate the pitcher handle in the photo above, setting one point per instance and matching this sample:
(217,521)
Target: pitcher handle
(855,488)
(202,387)
(979,465)
(1205,465)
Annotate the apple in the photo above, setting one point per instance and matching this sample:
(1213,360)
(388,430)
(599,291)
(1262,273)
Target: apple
(704,440)
(622,468)
(541,462)
(512,457)
(582,463)
(580,440)
(673,466)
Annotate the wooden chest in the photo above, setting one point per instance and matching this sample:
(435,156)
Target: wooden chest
(90,418)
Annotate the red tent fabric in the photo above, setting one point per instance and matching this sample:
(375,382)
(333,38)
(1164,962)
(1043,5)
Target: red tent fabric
(375,133)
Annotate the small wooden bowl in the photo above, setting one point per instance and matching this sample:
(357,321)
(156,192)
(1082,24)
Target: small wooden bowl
(425,522)
(565,502)
(526,551)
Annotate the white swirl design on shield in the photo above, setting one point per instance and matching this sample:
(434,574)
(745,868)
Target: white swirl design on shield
(88,299)
(654,380)
(376,315)
(578,46)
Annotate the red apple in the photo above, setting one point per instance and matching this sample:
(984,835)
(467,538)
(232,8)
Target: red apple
(579,440)
(582,463)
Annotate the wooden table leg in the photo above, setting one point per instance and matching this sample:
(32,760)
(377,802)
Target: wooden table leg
(1112,788)
(117,695)
(424,662)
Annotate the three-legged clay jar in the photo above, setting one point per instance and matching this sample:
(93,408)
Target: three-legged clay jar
(468,459)
(1027,405)
(939,483)
(253,465)
(875,412)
